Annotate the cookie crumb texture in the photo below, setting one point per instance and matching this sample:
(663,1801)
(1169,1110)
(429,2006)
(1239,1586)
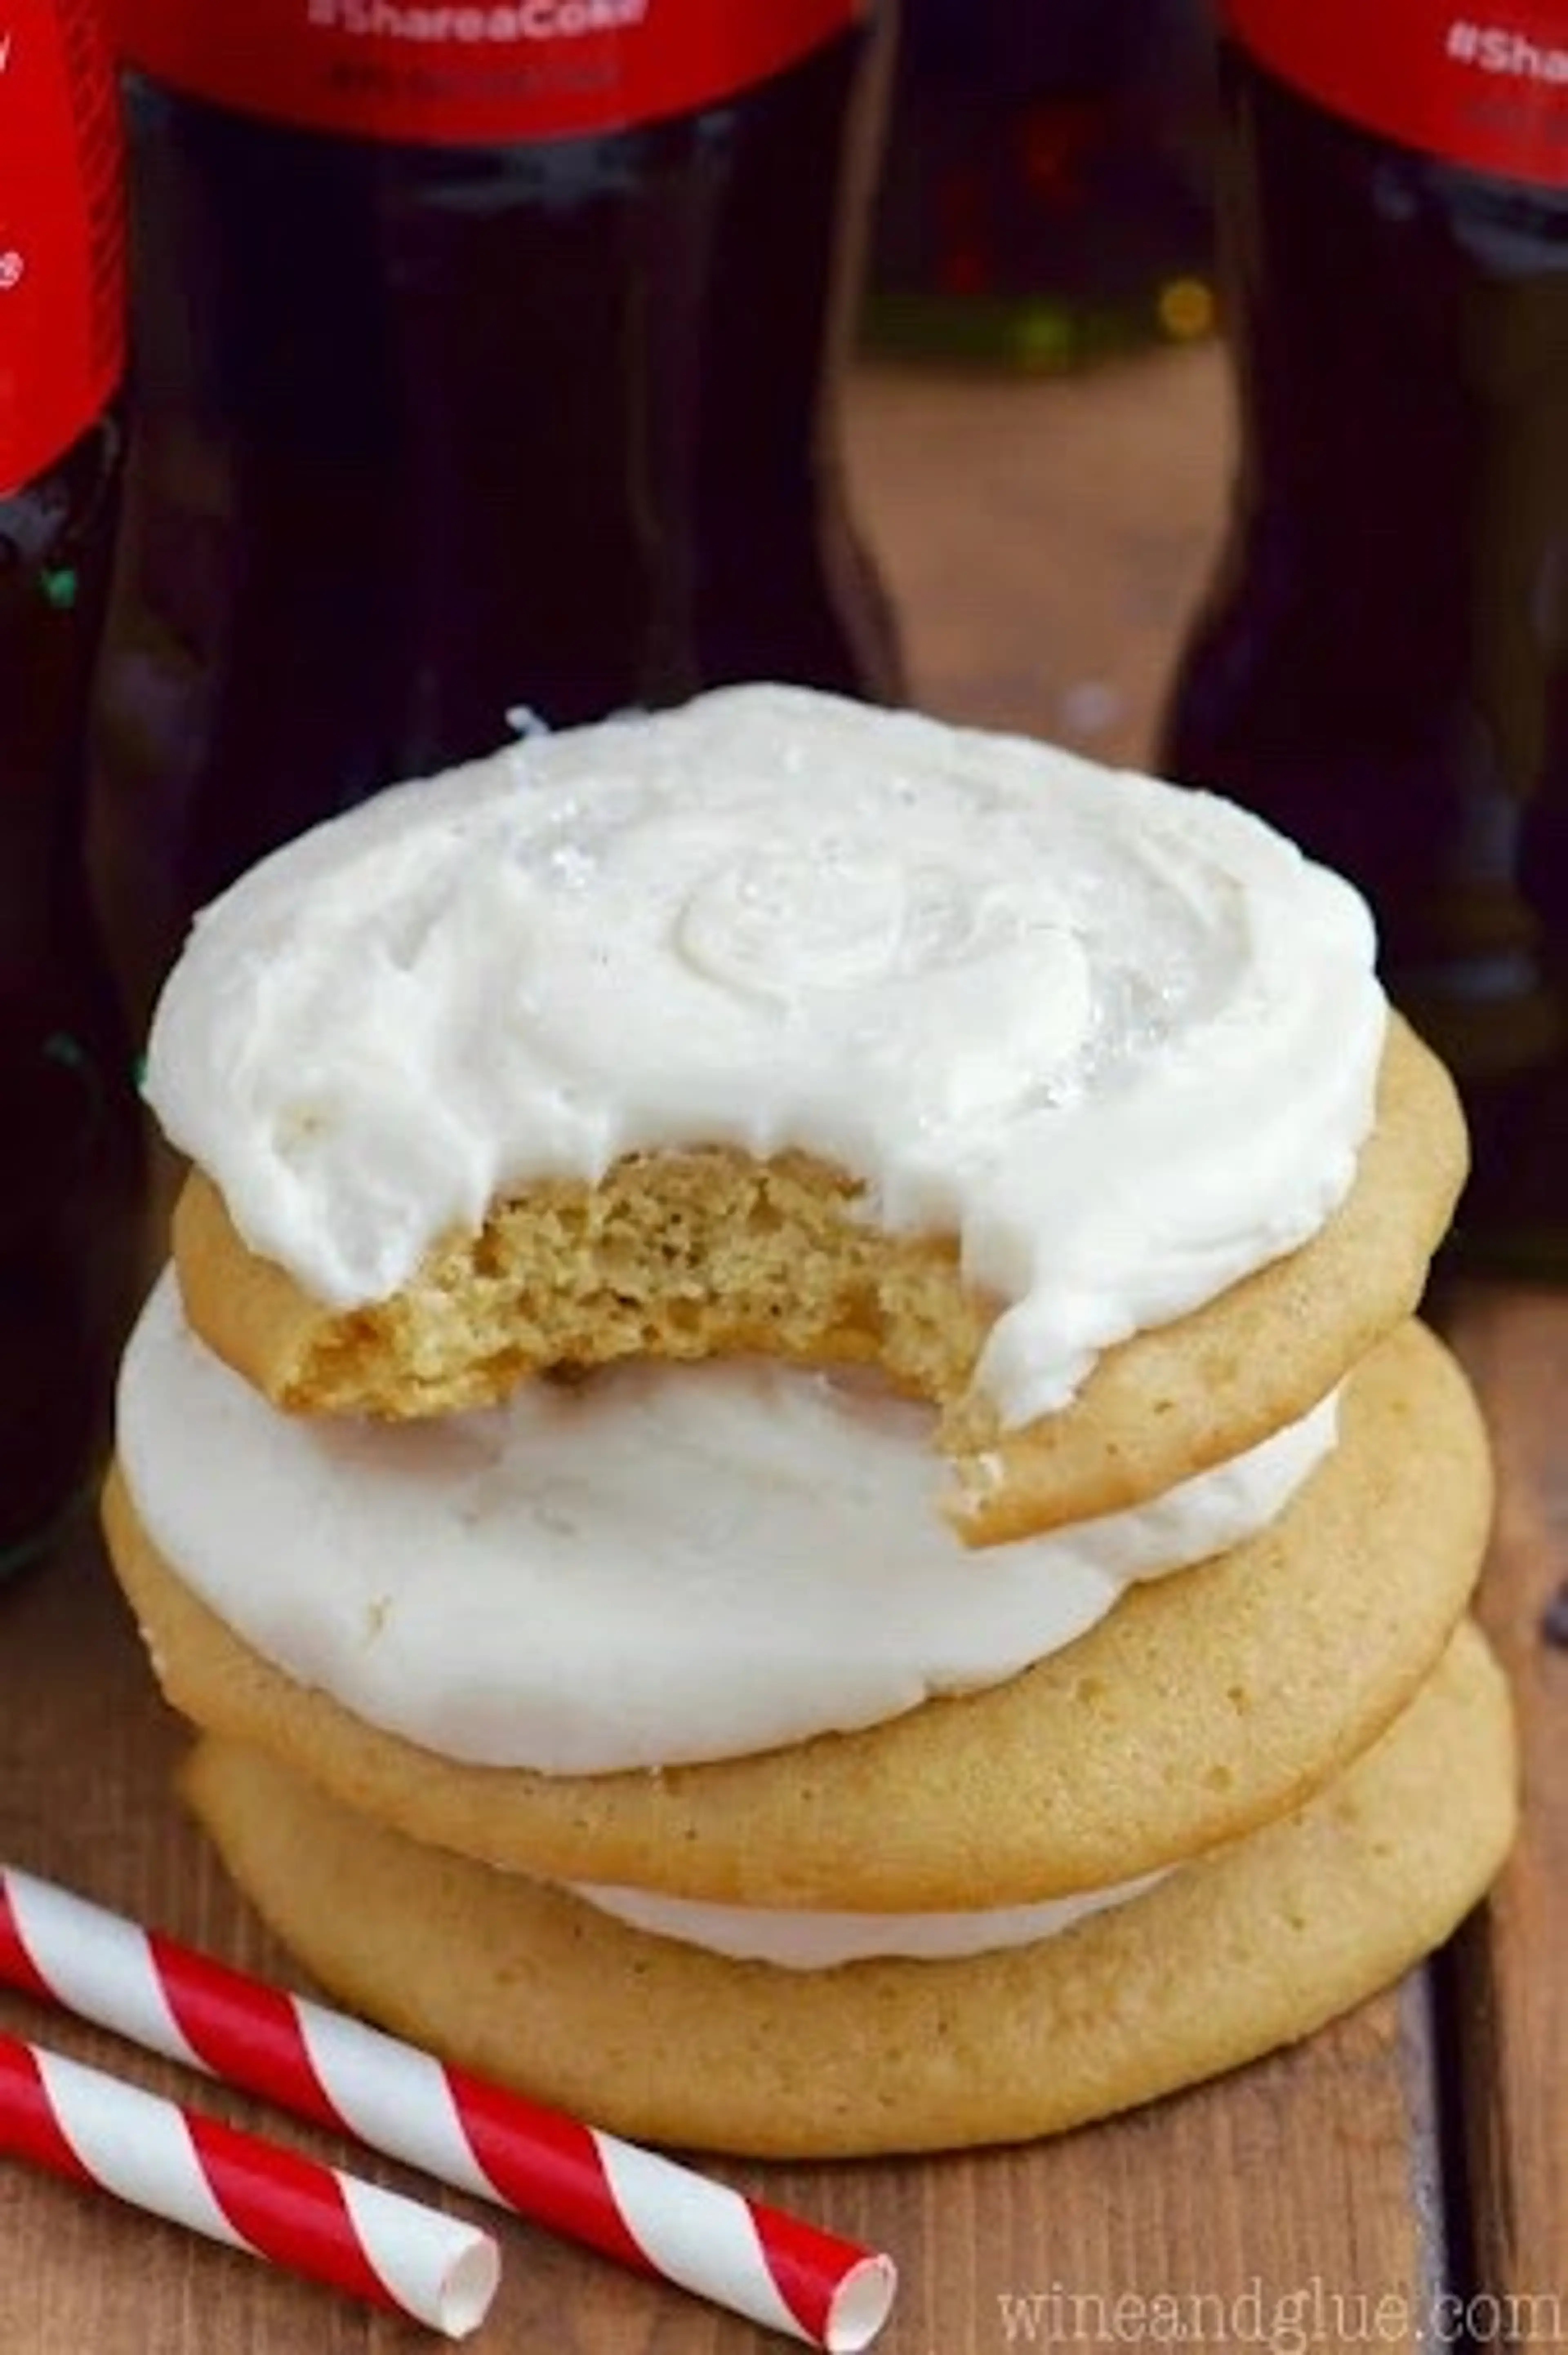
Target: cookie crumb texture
(674,1255)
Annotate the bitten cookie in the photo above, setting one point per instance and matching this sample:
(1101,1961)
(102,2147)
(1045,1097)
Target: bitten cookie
(1067,1098)
(692,1255)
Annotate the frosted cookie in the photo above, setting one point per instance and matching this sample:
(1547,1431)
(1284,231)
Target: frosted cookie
(820,1286)
(780,1023)
(1203,1704)
(1253,1947)
(655,1565)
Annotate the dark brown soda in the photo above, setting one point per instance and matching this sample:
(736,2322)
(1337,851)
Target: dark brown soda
(70,1173)
(423,434)
(1381,665)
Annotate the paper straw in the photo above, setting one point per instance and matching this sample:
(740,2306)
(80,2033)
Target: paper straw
(644,2210)
(248,2193)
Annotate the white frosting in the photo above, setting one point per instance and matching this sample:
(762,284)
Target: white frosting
(1121,1038)
(819,1942)
(662,1565)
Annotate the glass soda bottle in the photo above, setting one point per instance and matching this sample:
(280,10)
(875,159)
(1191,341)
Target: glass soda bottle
(486,356)
(68,1176)
(1382,665)
(1046,200)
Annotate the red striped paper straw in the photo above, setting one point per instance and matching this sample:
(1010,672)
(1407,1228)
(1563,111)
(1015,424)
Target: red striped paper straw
(248,2193)
(644,2210)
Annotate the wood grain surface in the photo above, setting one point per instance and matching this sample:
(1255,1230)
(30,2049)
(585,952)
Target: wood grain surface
(1503,1990)
(1045,542)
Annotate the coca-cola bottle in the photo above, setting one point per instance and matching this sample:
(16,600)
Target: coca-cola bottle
(1381,667)
(486,356)
(69,1172)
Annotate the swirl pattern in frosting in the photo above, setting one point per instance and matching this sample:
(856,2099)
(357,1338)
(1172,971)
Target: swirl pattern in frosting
(1119,1038)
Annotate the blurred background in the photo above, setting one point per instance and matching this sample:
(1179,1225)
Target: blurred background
(1045,192)
(1039,392)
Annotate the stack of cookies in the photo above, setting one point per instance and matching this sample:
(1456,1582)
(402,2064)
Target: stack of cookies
(785,1459)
